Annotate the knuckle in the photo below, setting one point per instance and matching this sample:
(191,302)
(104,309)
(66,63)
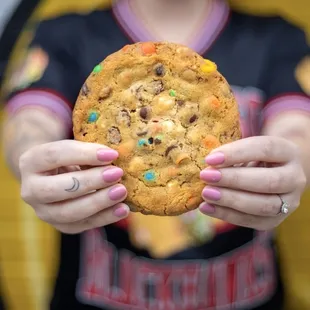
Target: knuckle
(46,192)
(232,200)
(63,215)
(51,153)
(267,148)
(26,194)
(273,183)
(23,161)
(301,181)
(43,215)
(97,200)
(233,179)
(293,206)
(275,207)
(87,182)
(27,191)
(270,207)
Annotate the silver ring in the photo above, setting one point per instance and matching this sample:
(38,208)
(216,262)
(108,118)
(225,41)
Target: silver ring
(284,206)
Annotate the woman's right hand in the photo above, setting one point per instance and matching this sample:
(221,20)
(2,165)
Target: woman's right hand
(71,199)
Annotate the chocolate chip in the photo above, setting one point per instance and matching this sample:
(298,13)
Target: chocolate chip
(193,118)
(85,90)
(114,135)
(180,103)
(124,118)
(157,87)
(144,111)
(169,149)
(142,133)
(160,70)
(157,141)
(151,140)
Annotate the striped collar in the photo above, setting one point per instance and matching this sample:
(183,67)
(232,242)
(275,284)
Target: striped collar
(210,29)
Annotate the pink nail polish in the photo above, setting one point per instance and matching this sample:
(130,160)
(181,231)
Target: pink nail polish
(107,155)
(117,192)
(210,175)
(112,174)
(211,194)
(206,208)
(215,159)
(121,211)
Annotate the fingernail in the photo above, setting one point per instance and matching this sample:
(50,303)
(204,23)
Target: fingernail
(211,194)
(210,175)
(121,211)
(112,174)
(215,159)
(206,208)
(106,155)
(117,192)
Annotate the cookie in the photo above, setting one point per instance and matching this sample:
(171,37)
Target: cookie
(163,108)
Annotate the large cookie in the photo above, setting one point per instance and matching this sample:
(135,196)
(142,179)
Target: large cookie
(163,108)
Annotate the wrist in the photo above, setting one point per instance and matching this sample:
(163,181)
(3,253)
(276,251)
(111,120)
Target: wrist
(28,128)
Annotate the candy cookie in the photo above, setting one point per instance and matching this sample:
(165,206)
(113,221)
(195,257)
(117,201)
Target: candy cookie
(163,108)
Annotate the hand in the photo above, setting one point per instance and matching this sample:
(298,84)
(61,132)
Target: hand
(71,199)
(249,195)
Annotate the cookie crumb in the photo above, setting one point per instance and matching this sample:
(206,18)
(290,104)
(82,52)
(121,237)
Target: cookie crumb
(123,117)
(105,92)
(114,135)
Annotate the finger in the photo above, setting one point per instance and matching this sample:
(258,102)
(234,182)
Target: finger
(74,184)
(102,218)
(57,154)
(266,149)
(244,202)
(253,179)
(83,207)
(241,219)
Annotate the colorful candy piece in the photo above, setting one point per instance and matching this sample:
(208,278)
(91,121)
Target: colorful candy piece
(210,142)
(150,175)
(208,66)
(142,142)
(216,103)
(125,149)
(148,48)
(172,93)
(97,69)
(92,117)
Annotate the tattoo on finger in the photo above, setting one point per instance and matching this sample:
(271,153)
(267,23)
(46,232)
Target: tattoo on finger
(75,186)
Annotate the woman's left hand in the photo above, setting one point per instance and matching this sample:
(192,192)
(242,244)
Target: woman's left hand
(250,195)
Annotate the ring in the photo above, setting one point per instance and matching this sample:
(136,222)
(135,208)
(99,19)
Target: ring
(284,206)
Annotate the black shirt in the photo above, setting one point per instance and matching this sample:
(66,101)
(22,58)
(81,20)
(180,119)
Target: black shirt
(236,269)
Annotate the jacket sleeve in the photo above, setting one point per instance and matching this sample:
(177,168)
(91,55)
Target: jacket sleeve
(48,75)
(284,82)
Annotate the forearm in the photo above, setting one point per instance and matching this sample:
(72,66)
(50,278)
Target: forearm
(295,127)
(27,128)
